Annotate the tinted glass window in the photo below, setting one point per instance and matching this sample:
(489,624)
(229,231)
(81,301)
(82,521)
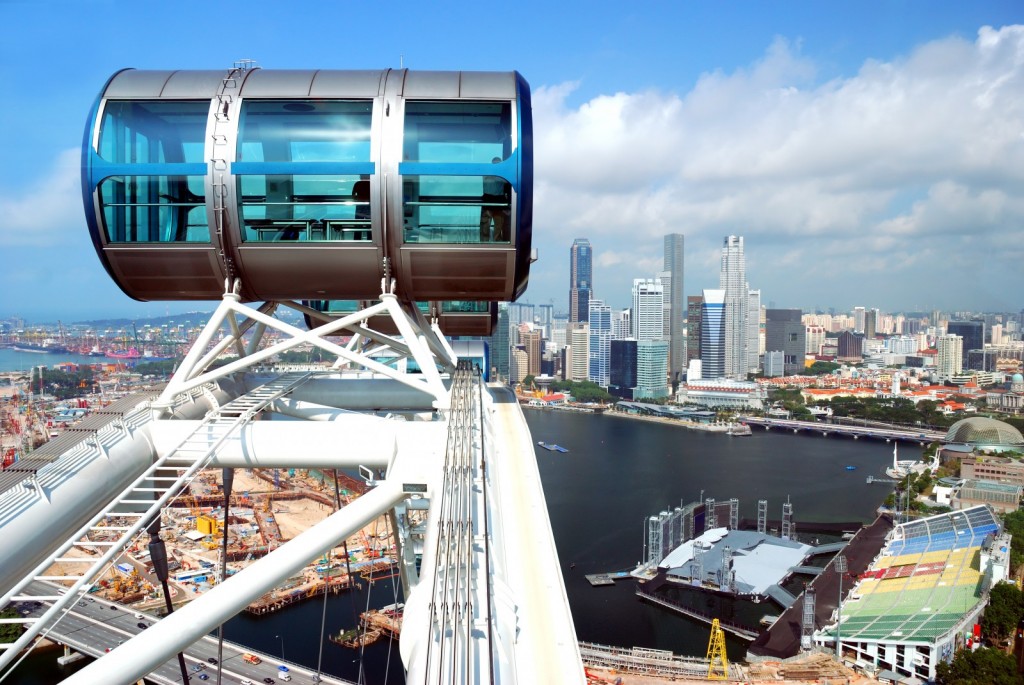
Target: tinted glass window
(305,131)
(168,131)
(457,132)
(154,209)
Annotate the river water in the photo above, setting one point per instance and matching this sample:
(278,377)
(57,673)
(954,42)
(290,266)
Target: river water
(618,472)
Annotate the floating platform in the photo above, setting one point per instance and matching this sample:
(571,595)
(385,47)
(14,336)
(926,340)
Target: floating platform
(600,579)
(551,447)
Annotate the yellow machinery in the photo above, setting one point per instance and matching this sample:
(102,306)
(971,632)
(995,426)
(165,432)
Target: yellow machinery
(718,662)
(207,525)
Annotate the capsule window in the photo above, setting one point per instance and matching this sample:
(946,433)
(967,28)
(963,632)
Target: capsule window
(165,131)
(305,131)
(457,209)
(154,209)
(457,132)
(304,208)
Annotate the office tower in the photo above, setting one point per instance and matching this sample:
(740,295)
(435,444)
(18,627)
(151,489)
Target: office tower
(666,309)
(784,332)
(850,346)
(732,281)
(545,315)
(651,369)
(712,334)
(581,286)
(693,305)
(950,357)
(518,365)
(558,335)
(870,323)
(518,314)
(754,336)
(579,345)
(533,341)
(622,368)
(858,319)
(622,324)
(600,318)
(648,312)
(972,332)
(500,343)
(674,299)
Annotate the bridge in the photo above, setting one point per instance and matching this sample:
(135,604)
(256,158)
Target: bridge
(734,628)
(921,437)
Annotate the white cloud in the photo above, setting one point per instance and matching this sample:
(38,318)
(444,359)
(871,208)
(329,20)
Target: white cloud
(48,210)
(898,168)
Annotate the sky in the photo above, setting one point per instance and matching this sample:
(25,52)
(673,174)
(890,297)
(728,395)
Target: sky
(870,153)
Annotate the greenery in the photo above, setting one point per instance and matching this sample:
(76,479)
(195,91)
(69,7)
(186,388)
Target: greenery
(161,368)
(64,384)
(1013,523)
(820,368)
(9,632)
(981,667)
(1004,611)
(582,391)
(890,410)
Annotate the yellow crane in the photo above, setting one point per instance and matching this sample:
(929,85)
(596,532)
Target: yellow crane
(718,662)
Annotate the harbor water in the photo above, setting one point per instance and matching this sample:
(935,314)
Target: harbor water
(617,472)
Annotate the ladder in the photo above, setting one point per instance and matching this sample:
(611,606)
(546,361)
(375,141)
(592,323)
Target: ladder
(158,484)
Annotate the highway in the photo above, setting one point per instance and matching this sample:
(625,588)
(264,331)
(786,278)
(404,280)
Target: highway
(918,436)
(95,626)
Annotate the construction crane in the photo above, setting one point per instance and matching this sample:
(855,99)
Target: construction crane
(718,662)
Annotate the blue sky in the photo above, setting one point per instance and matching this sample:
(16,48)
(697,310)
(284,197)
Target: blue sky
(871,153)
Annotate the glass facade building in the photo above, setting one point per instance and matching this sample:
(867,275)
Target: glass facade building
(581,286)
(600,317)
(712,334)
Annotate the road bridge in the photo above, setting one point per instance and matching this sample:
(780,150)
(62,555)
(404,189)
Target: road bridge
(921,437)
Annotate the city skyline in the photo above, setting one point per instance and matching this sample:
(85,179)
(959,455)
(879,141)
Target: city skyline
(842,153)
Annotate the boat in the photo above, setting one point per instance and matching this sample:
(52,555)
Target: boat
(48,346)
(851,468)
(131,353)
(551,447)
(739,429)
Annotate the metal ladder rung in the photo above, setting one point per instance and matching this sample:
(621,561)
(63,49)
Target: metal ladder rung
(89,543)
(170,478)
(115,514)
(26,619)
(149,489)
(79,560)
(137,501)
(111,528)
(37,598)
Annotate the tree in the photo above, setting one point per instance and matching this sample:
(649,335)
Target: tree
(1004,611)
(529,380)
(980,667)
(9,632)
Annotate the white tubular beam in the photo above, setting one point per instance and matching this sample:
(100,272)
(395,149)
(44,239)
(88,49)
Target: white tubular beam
(364,440)
(149,649)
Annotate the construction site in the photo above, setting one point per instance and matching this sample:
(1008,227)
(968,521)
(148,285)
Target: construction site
(268,508)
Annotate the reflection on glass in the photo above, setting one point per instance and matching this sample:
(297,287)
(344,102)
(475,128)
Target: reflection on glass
(154,209)
(457,132)
(305,131)
(457,209)
(305,208)
(164,131)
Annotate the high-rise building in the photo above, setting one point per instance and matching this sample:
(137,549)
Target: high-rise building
(732,281)
(545,315)
(815,337)
(754,333)
(581,286)
(712,334)
(648,312)
(533,342)
(972,332)
(693,305)
(651,369)
(622,324)
(500,344)
(518,365)
(622,368)
(950,360)
(850,346)
(600,318)
(558,336)
(870,323)
(579,345)
(674,299)
(784,332)
(858,319)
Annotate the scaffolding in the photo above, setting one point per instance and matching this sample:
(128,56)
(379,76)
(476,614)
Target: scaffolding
(734,514)
(718,662)
(787,520)
(807,627)
(762,516)
(710,518)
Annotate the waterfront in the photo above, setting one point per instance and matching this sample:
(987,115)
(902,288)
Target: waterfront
(618,472)
(16,360)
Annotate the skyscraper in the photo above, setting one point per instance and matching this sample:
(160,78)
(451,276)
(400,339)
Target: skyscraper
(784,332)
(950,357)
(693,305)
(580,284)
(579,346)
(676,303)
(972,332)
(600,318)
(648,312)
(712,334)
(732,280)
(754,331)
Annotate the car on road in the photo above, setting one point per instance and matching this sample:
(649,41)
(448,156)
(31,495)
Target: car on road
(212,660)
(142,625)
(203,676)
(269,681)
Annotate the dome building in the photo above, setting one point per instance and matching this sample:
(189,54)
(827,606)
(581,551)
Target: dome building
(986,434)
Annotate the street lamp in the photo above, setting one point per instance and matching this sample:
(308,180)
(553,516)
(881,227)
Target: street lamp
(840,564)
(281,637)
